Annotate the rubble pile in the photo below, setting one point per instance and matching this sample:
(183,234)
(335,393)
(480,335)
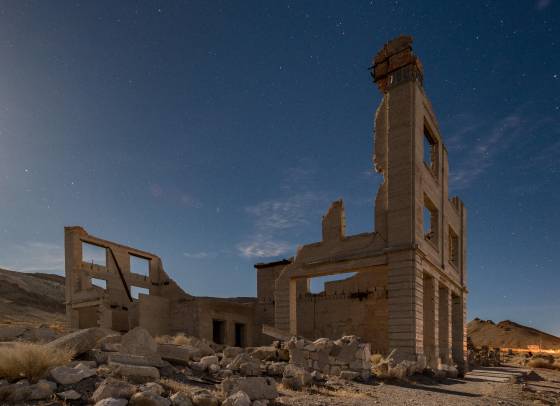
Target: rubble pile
(135,369)
(347,357)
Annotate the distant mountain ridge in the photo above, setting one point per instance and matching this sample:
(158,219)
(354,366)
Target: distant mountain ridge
(508,334)
(34,298)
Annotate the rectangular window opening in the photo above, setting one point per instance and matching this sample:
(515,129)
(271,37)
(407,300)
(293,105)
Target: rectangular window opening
(100,283)
(94,254)
(330,283)
(139,265)
(430,221)
(453,247)
(135,291)
(218,331)
(239,335)
(430,151)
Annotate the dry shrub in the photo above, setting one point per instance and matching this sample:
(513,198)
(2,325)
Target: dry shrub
(30,361)
(176,386)
(376,359)
(181,339)
(543,363)
(163,339)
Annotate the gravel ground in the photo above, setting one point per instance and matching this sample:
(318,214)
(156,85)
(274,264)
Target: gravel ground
(423,391)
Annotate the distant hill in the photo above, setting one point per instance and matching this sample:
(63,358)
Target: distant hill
(508,334)
(33,298)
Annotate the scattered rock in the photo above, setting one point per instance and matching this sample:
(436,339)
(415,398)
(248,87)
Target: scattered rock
(131,359)
(69,395)
(148,398)
(135,373)
(152,387)
(232,352)
(178,354)
(42,390)
(296,377)
(139,342)
(349,375)
(204,398)
(80,341)
(254,387)
(181,399)
(113,388)
(237,399)
(112,402)
(70,376)
(209,360)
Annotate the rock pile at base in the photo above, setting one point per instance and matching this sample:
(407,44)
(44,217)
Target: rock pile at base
(135,369)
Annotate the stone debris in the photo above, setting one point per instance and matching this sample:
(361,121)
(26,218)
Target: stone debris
(69,395)
(255,387)
(148,398)
(71,375)
(112,402)
(113,388)
(180,399)
(237,399)
(332,357)
(80,341)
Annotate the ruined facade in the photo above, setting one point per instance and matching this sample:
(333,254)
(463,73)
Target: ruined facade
(163,308)
(406,288)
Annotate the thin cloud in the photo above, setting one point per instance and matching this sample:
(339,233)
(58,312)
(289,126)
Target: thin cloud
(480,156)
(35,256)
(198,255)
(263,247)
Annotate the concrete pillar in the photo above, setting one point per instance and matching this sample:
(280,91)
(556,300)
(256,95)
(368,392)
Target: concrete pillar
(405,306)
(444,324)
(72,264)
(459,333)
(430,318)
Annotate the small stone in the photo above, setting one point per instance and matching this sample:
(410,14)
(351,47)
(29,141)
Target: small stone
(148,399)
(181,399)
(70,376)
(239,398)
(152,387)
(69,395)
(209,360)
(204,398)
(112,402)
(349,375)
(135,373)
(113,388)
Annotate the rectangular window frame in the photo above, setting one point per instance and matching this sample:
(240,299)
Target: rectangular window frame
(428,138)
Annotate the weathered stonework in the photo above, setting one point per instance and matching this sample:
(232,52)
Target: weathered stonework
(407,291)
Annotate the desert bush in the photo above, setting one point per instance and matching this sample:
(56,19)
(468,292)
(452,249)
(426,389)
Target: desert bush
(30,361)
(181,339)
(376,359)
(544,363)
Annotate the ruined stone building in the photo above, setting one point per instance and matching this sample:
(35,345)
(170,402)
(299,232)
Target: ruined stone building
(406,288)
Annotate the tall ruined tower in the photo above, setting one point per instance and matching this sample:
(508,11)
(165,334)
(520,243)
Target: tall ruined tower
(425,232)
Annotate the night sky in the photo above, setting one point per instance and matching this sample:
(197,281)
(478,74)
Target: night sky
(216,134)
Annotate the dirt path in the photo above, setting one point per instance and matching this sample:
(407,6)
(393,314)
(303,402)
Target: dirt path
(425,391)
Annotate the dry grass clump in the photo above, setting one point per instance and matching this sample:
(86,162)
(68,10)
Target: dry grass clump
(543,363)
(30,361)
(181,339)
(376,359)
(176,386)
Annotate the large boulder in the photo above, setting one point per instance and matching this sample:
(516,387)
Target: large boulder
(178,354)
(131,359)
(71,375)
(79,341)
(138,342)
(264,353)
(255,387)
(113,388)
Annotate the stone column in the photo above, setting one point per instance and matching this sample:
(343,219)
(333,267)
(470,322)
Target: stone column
(405,306)
(444,324)
(459,333)
(430,317)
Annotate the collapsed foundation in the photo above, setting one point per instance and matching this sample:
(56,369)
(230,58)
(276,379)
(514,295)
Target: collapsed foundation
(406,289)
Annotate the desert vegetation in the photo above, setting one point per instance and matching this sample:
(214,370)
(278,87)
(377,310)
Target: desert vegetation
(30,361)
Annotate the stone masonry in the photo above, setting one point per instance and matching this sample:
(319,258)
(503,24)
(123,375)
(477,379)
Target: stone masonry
(405,286)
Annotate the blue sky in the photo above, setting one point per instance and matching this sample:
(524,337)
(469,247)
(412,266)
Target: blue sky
(215,134)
